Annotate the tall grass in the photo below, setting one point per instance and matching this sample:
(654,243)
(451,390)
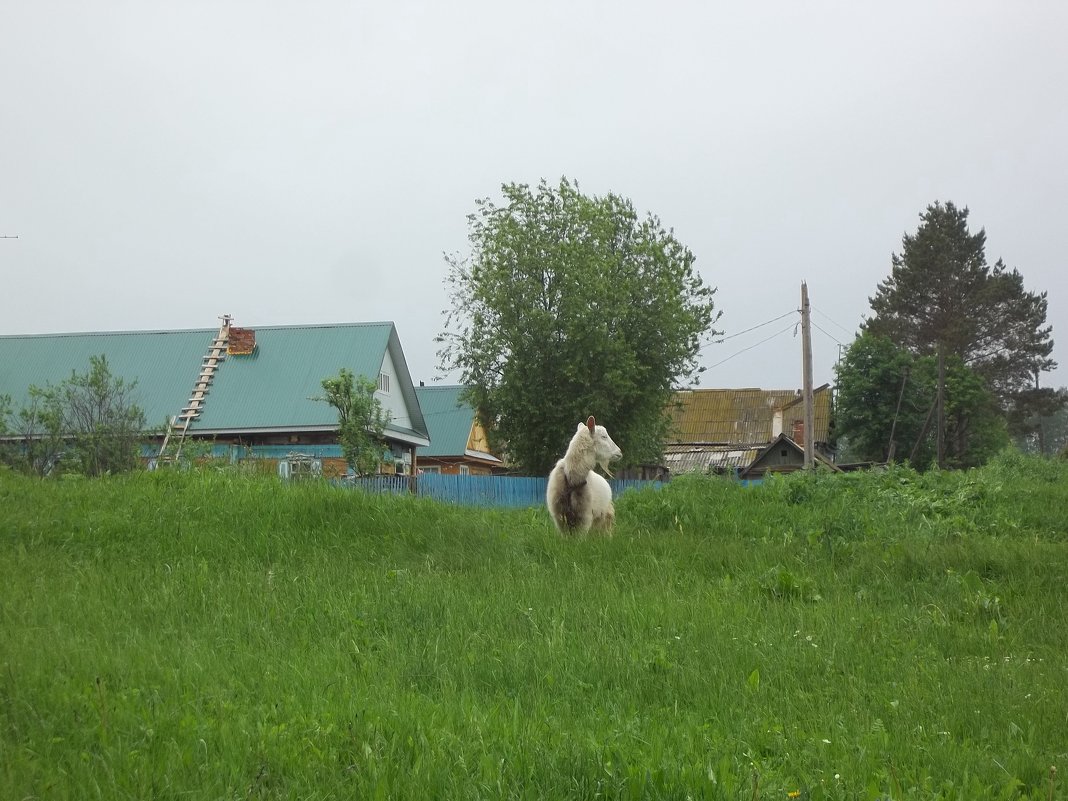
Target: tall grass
(207,635)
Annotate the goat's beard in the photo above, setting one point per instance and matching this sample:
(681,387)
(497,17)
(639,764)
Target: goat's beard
(604,468)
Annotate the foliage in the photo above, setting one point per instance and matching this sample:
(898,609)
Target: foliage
(942,293)
(89,421)
(208,635)
(33,435)
(879,407)
(885,401)
(1038,420)
(7,449)
(361,419)
(570,305)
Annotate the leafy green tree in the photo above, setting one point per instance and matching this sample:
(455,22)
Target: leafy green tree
(942,294)
(1039,424)
(7,447)
(975,426)
(361,419)
(100,416)
(40,429)
(89,421)
(570,305)
(880,406)
(885,402)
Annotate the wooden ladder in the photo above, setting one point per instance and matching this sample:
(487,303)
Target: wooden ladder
(178,426)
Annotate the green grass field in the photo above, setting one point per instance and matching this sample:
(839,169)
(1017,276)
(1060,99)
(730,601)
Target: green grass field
(212,635)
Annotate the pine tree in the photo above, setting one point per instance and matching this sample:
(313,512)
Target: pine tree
(942,295)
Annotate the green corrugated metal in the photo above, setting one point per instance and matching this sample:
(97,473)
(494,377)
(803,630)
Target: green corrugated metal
(447,418)
(164,363)
(270,389)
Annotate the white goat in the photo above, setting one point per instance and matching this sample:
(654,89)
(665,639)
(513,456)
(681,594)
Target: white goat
(577,497)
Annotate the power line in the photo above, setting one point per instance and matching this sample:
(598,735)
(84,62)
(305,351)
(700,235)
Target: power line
(747,330)
(826,334)
(761,342)
(824,316)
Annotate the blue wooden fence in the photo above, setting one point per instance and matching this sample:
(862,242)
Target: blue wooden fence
(496,491)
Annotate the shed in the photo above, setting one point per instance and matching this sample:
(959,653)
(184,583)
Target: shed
(781,455)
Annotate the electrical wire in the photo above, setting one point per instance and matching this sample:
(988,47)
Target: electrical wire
(761,342)
(826,334)
(824,316)
(747,330)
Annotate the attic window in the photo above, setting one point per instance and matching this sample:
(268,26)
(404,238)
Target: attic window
(383,383)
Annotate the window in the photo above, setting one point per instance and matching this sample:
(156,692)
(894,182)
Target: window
(465,470)
(299,466)
(383,383)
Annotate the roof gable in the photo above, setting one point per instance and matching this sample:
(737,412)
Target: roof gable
(760,463)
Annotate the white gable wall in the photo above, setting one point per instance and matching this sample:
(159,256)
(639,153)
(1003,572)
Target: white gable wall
(393,401)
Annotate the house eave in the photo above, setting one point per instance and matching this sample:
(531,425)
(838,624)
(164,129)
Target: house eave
(407,437)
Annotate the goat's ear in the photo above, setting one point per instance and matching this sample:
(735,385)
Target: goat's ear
(591,424)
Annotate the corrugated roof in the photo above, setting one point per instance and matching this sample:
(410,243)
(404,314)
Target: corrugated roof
(269,389)
(740,416)
(273,386)
(686,459)
(448,418)
(164,363)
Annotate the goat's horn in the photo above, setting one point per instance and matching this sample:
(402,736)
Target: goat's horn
(591,423)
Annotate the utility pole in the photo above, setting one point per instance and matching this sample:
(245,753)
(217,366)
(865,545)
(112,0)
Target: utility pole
(806,369)
(940,423)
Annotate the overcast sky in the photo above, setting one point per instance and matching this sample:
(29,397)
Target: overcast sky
(310,162)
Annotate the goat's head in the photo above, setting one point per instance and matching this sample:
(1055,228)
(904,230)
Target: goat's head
(604,449)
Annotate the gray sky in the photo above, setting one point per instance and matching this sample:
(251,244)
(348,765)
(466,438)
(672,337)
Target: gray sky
(310,162)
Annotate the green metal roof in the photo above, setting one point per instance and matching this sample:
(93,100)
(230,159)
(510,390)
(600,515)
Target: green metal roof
(267,390)
(164,363)
(448,418)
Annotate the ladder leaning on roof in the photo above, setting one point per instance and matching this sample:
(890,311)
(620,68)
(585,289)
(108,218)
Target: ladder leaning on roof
(178,426)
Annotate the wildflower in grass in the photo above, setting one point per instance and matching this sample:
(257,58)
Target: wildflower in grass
(794,794)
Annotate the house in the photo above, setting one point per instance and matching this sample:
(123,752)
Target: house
(248,392)
(782,455)
(458,442)
(728,430)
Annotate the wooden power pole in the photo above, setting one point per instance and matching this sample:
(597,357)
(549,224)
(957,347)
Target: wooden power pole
(940,400)
(806,369)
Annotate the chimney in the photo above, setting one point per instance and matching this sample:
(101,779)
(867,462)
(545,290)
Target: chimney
(799,432)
